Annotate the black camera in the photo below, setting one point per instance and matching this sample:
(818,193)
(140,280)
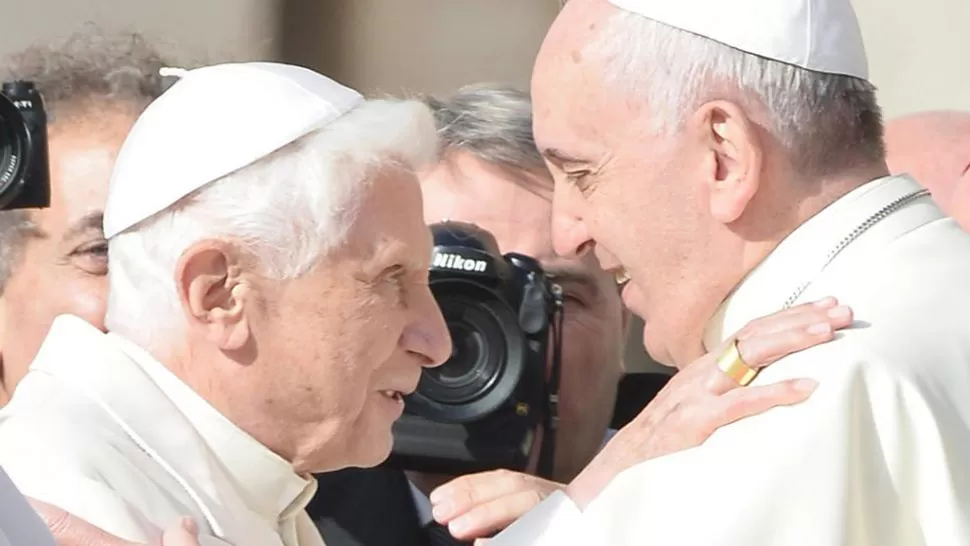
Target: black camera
(24,171)
(480,410)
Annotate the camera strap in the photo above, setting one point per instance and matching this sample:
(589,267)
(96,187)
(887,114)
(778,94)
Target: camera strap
(550,421)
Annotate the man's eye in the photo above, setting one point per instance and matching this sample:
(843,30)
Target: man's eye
(574,177)
(96,248)
(393,273)
(573,299)
(92,257)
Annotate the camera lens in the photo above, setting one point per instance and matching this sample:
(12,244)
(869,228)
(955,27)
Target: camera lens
(487,360)
(13,145)
(478,349)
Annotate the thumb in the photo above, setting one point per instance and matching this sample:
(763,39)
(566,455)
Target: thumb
(71,530)
(184,533)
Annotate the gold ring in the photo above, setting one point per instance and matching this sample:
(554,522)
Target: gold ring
(731,363)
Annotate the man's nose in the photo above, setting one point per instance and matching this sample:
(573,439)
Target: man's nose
(428,335)
(570,239)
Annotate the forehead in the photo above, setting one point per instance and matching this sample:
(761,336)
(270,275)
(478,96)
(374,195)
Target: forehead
(516,210)
(82,155)
(389,215)
(570,105)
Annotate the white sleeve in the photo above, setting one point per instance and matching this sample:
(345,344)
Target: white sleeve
(55,471)
(869,460)
(557,521)
(872,459)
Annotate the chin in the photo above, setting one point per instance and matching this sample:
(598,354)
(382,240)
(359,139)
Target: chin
(653,344)
(375,451)
(372,443)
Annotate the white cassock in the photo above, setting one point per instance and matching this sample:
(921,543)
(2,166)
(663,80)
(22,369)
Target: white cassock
(878,456)
(101,429)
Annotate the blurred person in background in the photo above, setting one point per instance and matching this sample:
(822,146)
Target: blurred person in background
(934,147)
(55,260)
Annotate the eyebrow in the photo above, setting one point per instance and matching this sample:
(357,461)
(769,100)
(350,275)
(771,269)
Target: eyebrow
(560,157)
(90,221)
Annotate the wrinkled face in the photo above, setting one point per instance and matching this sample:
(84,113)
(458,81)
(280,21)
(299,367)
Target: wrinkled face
(64,262)
(624,193)
(347,339)
(518,214)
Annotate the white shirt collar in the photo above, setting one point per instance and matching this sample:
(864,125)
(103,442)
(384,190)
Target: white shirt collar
(800,257)
(264,480)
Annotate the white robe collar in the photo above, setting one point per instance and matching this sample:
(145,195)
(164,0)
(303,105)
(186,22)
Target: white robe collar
(265,480)
(231,476)
(802,256)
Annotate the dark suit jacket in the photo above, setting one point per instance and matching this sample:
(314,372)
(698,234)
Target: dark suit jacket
(366,507)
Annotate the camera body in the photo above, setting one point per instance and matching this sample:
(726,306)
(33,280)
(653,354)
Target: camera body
(481,409)
(24,170)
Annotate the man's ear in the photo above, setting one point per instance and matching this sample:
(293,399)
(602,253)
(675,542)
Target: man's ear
(213,292)
(736,157)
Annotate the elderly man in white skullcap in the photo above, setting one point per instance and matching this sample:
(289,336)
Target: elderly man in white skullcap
(727,157)
(268,307)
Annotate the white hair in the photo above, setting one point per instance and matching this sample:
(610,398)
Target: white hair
(825,121)
(288,210)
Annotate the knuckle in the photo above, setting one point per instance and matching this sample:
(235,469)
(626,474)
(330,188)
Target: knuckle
(749,351)
(57,522)
(535,497)
(749,330)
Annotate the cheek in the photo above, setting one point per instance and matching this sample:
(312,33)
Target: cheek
(30,310)
(590,360)
(374,334)
(86,299)
(36,306)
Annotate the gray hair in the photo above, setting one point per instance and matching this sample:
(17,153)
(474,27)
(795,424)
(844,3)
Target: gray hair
(288,210)
(490,121)
(826,122)
(89,72)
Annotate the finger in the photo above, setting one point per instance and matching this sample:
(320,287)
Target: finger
(69,530)
(837,317)
(741,403)
(758,325)
(488,518)
(184,533)
(761,351)
(460,495)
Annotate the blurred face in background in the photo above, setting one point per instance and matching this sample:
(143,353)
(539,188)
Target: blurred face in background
(62,267)
(517,209)
(934,147)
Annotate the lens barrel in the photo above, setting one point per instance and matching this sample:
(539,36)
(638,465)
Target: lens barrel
(488,355)
(14,148)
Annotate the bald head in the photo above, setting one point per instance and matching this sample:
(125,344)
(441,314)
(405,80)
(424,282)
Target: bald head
(934,147)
